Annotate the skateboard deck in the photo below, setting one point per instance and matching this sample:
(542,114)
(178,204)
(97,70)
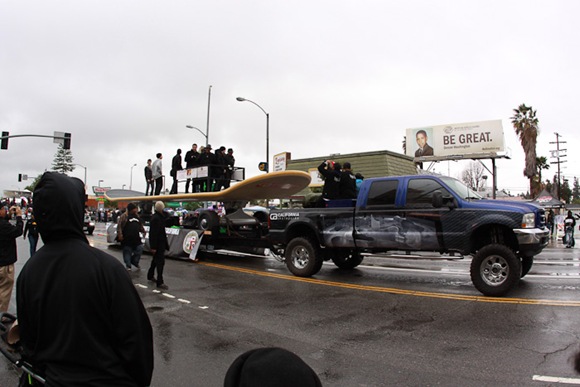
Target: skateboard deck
(274,185)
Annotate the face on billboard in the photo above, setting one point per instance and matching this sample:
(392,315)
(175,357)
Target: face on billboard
(421,139)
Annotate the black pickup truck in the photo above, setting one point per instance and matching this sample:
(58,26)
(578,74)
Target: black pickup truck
(411,214)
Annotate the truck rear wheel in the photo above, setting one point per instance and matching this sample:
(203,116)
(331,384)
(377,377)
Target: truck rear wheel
(303,257)
(527,263)
(347,259)
(495,270)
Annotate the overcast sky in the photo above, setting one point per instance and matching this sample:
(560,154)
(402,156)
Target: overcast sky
(126,77)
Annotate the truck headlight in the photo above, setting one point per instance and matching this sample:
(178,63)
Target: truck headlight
(529,220)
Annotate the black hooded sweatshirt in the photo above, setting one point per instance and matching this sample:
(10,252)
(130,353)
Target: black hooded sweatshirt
(81,319)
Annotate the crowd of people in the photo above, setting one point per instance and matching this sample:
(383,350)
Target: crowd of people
(220,165)
(339,181)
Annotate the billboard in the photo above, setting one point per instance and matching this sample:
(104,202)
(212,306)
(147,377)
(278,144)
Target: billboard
(440,141)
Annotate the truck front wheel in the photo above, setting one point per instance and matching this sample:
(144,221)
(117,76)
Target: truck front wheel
(346,259)
(303,257)
(495,270)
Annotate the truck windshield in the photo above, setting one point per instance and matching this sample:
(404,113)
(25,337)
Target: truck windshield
(461,189)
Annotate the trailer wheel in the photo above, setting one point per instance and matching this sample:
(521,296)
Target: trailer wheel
(527,263)
(347,259)
(209,221)
(495,270)
(303,257)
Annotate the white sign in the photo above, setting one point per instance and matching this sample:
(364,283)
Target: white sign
(281,161)
(456,139)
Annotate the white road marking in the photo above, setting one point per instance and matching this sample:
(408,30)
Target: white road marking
(203,307)
(168,295)
(141,286)
(184,301)
(556,379)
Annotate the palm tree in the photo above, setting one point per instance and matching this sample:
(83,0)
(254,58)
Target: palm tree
(541,163)
(526,126)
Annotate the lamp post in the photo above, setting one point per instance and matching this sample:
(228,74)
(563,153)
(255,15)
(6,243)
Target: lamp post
(131,179)
(199,130)
(241,99)
(85,172)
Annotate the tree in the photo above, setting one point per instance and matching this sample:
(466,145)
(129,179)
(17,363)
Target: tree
(526,126)
(541,163)
(63,160)
(566,193)
(575,190)
(473,176)
(32,185)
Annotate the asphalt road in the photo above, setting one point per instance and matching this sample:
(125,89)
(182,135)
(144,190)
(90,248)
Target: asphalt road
(396,322)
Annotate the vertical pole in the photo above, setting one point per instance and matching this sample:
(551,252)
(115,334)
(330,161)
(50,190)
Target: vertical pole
(268,141)
(558,153)
(494,182)
(207,125)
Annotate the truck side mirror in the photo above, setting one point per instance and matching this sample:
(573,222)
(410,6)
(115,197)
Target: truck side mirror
(437,199)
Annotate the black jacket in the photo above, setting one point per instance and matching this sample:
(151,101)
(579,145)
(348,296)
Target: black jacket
(8,235)
(176,164)
(31,228)
(347,185)
(331,189)
(148,173)
(191,159)
(157,235)
(81,319)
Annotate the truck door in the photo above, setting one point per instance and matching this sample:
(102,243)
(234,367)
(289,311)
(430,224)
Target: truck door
(377,223)
(422,223)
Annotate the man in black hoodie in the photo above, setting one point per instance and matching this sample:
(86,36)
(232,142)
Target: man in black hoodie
(81,320)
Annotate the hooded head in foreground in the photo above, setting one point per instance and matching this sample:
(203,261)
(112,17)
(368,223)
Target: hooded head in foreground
(59,206)
(270,367)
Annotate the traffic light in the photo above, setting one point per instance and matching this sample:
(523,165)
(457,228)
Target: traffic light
(4,144)
(263,167)
(66,143)
(20,177)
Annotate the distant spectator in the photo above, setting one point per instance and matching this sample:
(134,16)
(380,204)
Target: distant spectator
(31,229)
(8,253)
(192,161)
(230,162)
(175,166)
(149,178)
(158,173)
(347,182)
(359,180)
(330,171)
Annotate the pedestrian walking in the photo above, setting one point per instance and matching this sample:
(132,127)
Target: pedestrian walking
(129,230)
(32,230)
(80,317)
(569,224)
(8,253)
(158,244)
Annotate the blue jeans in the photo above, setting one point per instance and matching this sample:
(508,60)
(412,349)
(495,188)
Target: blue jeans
(132,255)
(33,242)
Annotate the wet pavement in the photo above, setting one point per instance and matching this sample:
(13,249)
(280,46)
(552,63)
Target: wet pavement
(389,322)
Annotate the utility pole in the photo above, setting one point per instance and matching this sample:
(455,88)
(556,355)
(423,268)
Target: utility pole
(556,155)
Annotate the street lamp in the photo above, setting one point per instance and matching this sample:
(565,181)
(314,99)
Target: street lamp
(241,99)
(199,130)
(100,181)
(131,179)
(85,172)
